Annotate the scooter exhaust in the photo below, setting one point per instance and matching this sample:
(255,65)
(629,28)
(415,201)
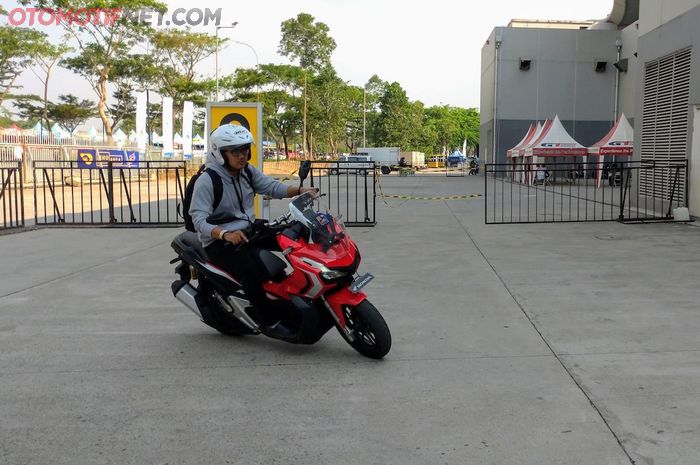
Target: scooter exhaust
(186,294)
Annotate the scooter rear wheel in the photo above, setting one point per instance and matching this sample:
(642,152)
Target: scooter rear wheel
(372,335)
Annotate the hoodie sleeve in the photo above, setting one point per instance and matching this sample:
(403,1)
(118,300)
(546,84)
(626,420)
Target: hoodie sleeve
(202,204)
(268,185)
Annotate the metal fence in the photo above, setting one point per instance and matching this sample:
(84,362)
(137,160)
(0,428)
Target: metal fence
(577,192)
(68,193)
(11,195)
(350,189)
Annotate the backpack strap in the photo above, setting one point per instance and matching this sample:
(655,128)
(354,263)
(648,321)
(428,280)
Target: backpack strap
(218,185)
(249,177)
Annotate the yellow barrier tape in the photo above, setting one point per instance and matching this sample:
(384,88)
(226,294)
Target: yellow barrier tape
(435,197)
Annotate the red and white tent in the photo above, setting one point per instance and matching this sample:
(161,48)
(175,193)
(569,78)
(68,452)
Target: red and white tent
(618,142)
(523,166)
(514,152)
(553,141)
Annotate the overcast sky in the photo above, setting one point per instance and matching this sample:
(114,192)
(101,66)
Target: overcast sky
(432,48)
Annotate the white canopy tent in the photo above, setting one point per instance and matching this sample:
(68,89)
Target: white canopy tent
(554,141)
(514,153)
(618,142)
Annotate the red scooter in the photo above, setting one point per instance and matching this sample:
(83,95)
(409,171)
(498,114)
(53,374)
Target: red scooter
(312,278)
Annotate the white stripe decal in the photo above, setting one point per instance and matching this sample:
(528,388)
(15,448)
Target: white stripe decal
(218,271)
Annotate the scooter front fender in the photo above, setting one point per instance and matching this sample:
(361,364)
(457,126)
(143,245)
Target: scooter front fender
(342,297)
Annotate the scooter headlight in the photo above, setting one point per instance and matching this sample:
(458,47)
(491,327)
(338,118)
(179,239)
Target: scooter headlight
(332,275)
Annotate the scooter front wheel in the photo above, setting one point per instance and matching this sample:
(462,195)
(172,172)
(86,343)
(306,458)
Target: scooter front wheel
(372,335)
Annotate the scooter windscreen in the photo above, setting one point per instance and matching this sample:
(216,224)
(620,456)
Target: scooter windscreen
(321,225)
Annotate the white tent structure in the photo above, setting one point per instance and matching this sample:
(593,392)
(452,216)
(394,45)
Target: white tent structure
(155,138)
(92,133)
(58,132)
(514,153)
(553,142)
(119,136)
(519,152)
(618,142)
(177,139)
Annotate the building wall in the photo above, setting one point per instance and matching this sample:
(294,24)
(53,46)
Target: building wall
(628,89)
(486,107)
(561,80)
(655,13)
(678,33)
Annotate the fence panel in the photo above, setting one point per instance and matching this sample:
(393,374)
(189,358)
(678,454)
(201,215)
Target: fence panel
(579,192)
(139,194)
(349,188)
(11,195)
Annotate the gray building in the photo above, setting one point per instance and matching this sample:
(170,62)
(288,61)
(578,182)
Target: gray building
(531,74)
(641,60)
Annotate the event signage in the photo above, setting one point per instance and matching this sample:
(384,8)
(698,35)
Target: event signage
(168,127)
(248,115)
(187,113)
(141,131)
(96,159)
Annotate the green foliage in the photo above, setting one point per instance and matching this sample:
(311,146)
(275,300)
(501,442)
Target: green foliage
(176,55)
(307,42)
(279,89)
(17,47)
(69,113)
(101,46)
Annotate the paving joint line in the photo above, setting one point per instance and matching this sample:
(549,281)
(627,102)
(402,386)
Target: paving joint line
(549,346)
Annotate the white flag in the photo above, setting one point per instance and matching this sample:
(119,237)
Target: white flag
(187,111)
(167,127)
(141,133)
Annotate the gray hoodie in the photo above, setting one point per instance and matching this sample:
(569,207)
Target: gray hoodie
(203,198)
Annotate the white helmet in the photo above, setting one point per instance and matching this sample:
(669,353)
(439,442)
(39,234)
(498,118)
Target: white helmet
(228,136)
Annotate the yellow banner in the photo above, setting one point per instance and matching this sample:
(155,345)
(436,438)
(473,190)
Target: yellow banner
(242,114)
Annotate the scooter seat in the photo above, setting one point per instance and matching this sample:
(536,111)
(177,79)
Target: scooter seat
(190,239)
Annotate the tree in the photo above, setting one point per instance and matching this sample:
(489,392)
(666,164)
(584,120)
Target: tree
(17,46)
(71,112)
(307,42)
(452,126)
(330,108)
(310,44)
(29,108)
(176,55)
(45,58)
(396,123)
(100,45)
(278,87)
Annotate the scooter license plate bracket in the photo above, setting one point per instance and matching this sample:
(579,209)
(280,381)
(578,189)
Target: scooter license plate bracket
(360,282)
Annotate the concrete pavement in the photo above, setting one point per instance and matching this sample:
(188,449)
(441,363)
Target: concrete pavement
(515,344)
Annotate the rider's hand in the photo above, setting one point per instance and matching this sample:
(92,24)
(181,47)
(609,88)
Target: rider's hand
(313,190)
(235,237)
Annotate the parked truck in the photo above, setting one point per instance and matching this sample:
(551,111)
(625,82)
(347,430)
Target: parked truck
(381,155)
(413,159)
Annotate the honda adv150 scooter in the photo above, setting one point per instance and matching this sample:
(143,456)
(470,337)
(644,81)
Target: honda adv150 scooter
(313,280)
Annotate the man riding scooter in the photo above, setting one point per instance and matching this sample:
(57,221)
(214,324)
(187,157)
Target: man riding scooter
(223,229)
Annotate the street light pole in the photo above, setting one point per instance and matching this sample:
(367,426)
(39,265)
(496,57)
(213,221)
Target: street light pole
(217,54)
(257,63)
(364,116)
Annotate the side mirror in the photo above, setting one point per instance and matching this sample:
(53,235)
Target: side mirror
(304,169)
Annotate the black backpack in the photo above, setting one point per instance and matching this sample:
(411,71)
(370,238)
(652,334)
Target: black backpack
(218,185)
